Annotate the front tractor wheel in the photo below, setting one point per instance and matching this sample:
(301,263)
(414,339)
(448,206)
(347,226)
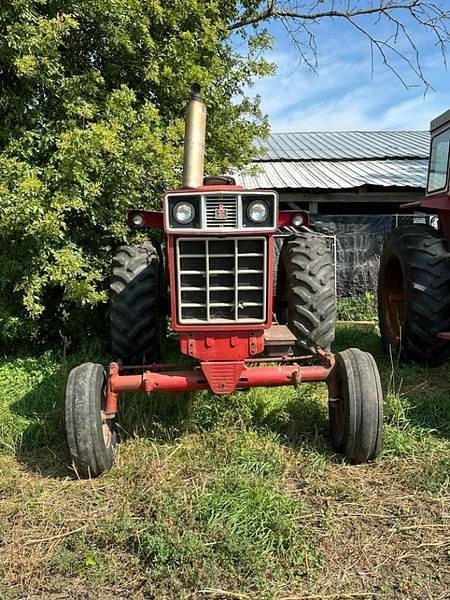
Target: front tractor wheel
(138,323)
(306,294)
(91,436)
(356,406)
(414,294)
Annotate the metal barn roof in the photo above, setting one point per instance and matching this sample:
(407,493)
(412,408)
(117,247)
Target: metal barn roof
(338,175)
(344,145)
(340,160)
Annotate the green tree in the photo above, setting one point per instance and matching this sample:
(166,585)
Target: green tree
(92,98)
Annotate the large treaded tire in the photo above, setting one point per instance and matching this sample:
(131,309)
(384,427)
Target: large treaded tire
(414,295)
(306,294)
(138,327)
(356,412)
(91,438)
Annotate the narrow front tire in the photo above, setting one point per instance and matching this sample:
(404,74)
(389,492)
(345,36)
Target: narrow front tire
(91,436)
(356,406)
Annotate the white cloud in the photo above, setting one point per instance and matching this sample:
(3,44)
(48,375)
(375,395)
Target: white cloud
(344,95)
(363,108)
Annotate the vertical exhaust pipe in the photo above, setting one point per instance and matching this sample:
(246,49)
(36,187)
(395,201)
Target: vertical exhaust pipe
(194,140)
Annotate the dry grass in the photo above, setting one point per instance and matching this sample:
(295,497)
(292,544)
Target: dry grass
(225,498)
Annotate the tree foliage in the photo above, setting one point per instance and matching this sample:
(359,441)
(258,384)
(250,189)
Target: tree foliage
(92,98)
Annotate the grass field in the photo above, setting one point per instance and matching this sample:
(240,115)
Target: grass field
(225,497)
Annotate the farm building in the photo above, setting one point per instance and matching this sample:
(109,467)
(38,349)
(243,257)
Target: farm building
(343,172)
(354,182)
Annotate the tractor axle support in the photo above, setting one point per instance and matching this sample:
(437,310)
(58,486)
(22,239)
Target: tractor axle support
(219,377)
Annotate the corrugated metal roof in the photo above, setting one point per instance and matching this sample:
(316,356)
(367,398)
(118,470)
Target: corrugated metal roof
(336,174)
(340,160)
(344,145)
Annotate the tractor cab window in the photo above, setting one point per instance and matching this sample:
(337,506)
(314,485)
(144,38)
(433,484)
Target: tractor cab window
(439,160)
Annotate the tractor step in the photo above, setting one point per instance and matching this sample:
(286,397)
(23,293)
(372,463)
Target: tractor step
(279,340)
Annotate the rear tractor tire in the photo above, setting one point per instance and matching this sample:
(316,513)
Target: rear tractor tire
(306,294)
(91,436)
(414,295)
(138,322)
(356,406)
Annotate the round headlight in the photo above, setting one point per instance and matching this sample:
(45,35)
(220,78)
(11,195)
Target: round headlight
(137,220)
(184,212)
(297,221)
(257,211)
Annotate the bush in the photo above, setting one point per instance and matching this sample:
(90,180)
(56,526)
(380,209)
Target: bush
(91,125)
(357,308)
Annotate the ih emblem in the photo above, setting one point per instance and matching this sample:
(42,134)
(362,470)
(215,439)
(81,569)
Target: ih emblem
(221,212)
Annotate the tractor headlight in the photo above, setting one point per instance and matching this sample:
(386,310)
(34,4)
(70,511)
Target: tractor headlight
(137,220)
(183,213)
(257,211)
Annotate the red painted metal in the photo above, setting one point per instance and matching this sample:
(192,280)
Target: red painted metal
(210,344)
(216,345)
(152,218)
(287,358)
(212,327)
(435,203)
(283,359)
(212,188)
(286,217)
(396,298)
(184,381)
(444,335)
(415,204)
(111,396)
(444,221)
(222,376)
(155,219)
(438,204)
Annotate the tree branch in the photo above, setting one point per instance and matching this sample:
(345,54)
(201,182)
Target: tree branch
(398,15)
(272,12)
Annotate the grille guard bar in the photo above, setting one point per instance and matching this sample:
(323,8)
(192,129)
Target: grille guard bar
(221,377)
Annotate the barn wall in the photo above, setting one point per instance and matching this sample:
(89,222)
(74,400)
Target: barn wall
(363,202)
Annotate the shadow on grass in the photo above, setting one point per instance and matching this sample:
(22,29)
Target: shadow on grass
(34,426)
(351,337)
(298,417)
(302,424)
(41,446)
(419,396)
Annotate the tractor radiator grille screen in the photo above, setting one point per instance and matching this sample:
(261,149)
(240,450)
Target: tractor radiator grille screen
(221,280)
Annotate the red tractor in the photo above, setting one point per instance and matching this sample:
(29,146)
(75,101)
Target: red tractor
(237,327)
(414,277)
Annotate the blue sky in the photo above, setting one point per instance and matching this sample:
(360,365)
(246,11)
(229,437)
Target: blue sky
(344,95)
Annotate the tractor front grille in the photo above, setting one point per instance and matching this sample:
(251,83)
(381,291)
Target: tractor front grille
(221,280)
(221,211)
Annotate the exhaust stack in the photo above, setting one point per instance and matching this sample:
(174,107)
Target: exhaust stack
(194,140)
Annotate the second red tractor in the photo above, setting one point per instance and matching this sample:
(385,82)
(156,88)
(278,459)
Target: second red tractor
(414,278)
